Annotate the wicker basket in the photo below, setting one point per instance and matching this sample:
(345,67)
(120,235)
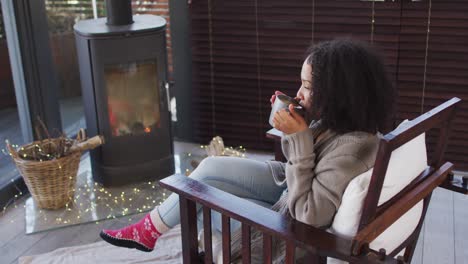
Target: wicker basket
(51,183)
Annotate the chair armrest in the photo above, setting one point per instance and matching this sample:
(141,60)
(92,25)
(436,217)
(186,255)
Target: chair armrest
(457,184)
(312,239)
(274,134)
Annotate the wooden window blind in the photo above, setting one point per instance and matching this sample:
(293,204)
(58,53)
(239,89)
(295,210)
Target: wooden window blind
(245,50)
(62,14)
(440,29)
(225,94)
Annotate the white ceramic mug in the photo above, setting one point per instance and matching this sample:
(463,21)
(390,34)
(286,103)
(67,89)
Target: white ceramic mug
(283,101)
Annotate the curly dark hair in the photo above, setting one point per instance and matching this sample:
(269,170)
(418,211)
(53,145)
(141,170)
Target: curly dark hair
(351,90)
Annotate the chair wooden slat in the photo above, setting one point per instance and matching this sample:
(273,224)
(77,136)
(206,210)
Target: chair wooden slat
(290,250)
(246,243)
(376,182)
(188,225)
(313,258)
(207,234)
(226,230)
(267,243)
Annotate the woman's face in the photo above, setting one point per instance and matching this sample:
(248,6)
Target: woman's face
(304,93)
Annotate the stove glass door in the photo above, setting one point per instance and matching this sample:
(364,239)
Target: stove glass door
(132,98)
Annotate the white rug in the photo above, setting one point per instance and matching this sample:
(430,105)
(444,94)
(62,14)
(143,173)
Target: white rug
(168,251)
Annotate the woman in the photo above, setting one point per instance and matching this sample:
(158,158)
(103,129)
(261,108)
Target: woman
(344,87)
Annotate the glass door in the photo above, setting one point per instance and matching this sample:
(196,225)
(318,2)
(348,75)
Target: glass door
(61,17)
(10,128)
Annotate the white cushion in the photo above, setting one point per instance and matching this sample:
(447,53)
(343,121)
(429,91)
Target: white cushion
(405,164)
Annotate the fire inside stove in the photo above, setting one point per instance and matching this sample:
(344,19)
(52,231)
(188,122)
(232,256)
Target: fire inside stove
(133,98)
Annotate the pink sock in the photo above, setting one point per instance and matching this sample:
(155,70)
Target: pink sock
(142,235)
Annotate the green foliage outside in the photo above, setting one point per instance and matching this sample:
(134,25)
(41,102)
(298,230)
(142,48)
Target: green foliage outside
(63,14)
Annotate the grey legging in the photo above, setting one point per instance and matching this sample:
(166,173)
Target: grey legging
(244,178)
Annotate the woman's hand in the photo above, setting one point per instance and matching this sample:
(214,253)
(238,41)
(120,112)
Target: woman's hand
(273,97)
(289,122)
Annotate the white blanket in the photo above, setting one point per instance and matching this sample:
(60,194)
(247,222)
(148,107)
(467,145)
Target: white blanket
(168,251)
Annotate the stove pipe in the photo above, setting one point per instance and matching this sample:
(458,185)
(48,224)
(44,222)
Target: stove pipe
(119,12)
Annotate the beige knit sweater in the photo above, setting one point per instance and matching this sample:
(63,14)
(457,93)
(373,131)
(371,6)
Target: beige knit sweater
(320,165)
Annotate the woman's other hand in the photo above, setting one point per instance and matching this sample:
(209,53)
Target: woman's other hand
(273,97)
(289,122)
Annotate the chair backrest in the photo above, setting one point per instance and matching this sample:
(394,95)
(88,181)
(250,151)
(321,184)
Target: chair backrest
(406,163)
(406,138)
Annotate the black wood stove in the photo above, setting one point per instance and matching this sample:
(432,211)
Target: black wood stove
(123,77)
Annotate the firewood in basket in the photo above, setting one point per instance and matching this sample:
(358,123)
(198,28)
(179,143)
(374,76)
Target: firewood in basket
(90,143)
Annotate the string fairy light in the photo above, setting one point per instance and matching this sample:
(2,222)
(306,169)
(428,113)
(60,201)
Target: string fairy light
(79,207)
(104,197)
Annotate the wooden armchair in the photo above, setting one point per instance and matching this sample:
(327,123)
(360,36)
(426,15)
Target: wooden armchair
(320,244)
